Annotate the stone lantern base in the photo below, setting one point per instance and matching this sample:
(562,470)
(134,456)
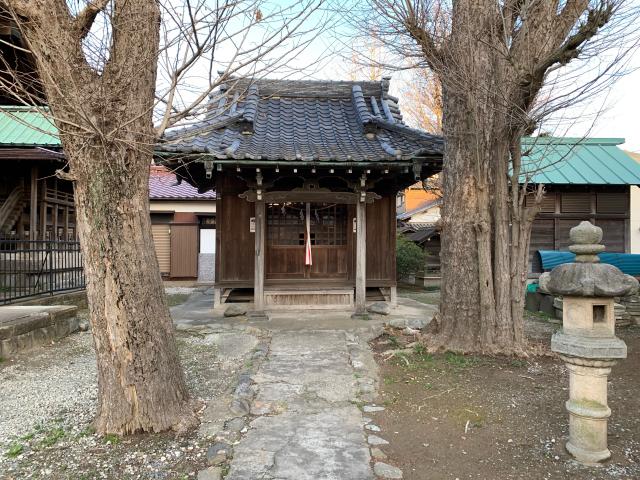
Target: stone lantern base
(588,409)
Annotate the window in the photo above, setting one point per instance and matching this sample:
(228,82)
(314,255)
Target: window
(286,224)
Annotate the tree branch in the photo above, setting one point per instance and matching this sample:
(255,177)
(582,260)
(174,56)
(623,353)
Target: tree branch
(84,20)
(570,49)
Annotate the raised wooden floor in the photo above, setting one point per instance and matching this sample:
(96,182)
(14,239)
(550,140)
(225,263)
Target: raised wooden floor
(288,295)
(280,298)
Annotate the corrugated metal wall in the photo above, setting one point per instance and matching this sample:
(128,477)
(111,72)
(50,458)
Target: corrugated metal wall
(162,242)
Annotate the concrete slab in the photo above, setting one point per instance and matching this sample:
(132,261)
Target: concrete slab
(199,310)
(25,327)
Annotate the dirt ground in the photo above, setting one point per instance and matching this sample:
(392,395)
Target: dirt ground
(457,417)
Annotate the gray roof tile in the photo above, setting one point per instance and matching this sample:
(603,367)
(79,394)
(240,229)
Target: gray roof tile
(286,120)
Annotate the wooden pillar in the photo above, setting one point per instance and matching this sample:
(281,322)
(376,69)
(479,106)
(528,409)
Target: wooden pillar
(66,223)
(361,259)
(42,234)
(33,206)
(258,312)
(393,296)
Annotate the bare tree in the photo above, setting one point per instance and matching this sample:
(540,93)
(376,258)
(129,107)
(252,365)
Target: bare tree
(505,66)
(421,101)
(366,59)
(107,69)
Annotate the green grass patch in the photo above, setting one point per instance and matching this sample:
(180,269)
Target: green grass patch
(391,401)
(477,417)
(87,431)
(174,299)
(52,437)
(540,316)
(111,439)
(14,450)
(460,361)
(394,342)
(389,380)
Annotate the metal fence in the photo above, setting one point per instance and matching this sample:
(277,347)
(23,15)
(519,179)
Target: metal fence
(31,268)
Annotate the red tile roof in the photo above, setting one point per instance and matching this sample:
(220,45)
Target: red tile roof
(163,186)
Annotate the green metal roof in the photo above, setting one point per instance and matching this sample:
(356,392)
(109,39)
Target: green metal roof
(578,161)
(26,127)
(548,160)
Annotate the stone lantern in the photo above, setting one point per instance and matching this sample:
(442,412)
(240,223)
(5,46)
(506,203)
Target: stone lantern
(587,342)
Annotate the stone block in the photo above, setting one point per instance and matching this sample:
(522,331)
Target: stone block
(61,329)
(24,341)
(381,308)
(384,470)
(235,310)
(8,347)
(376,440)
(40,337)
(211,473)
(588,347)
(32,322)
(7,331)
(218,453)
(417,323)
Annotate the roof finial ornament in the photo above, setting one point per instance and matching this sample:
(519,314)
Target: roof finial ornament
(586,239)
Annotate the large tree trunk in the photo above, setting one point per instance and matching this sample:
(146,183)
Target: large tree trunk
(485,227)
(104,115)
(141,383)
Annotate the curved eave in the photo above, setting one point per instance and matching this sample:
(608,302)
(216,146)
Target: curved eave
(383,162)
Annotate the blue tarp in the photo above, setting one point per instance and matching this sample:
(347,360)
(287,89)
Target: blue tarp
(629,263)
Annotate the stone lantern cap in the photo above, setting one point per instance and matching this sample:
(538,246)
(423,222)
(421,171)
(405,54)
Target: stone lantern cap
(587,277)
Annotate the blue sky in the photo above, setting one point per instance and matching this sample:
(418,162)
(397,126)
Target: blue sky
(620,106)
(622,115)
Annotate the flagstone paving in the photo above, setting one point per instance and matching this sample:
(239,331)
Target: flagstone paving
(298,402)
(308,425)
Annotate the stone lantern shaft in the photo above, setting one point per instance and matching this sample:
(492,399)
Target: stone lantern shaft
(587,343)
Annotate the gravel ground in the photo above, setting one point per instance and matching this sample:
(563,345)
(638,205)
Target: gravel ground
(48,400)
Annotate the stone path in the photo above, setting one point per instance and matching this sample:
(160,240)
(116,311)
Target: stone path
(308,425)
(294,414)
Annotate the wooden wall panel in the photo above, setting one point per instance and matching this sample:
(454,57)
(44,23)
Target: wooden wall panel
(612,203)
(542,237)
(575,202)
(381,242)
(548,202)
(329,262)
(184,250)
(285,261)
(236,244)
(613,234)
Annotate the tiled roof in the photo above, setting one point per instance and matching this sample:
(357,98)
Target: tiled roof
(163,186)
(422,208)
(423,234)
(578,161)
(286,120)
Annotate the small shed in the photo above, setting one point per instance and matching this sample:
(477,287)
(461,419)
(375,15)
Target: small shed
(183,227)
(306,175)
(585,179)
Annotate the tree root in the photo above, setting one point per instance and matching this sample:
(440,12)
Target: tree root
(189,420)
(440,343)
